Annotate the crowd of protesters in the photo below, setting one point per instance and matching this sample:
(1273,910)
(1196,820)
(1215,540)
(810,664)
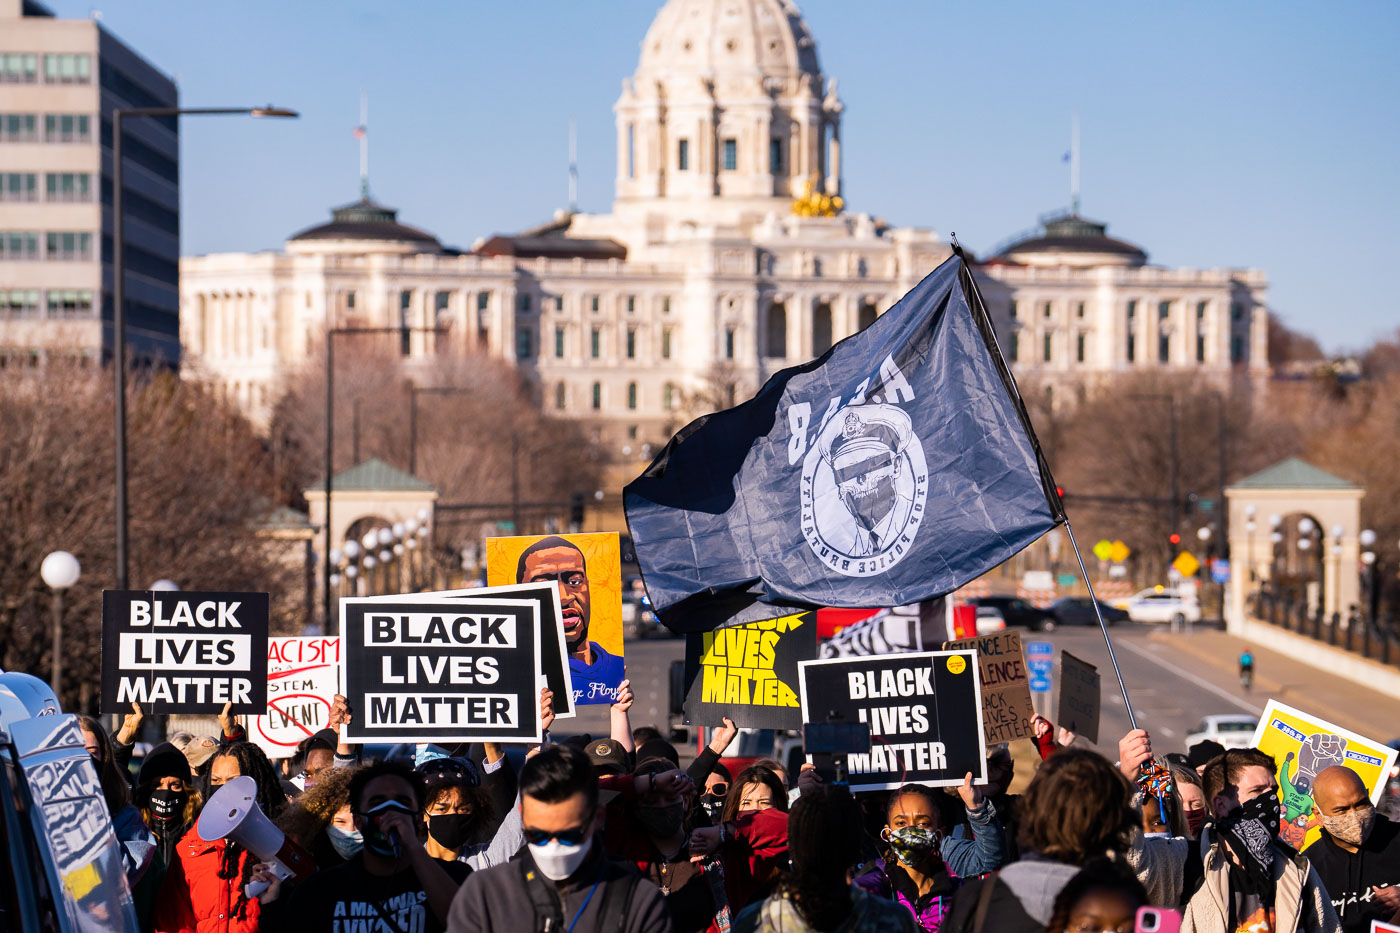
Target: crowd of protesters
(612,834)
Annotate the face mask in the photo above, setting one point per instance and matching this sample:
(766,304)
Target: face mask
(451,829)
(346,844)
(662,822)
(168,804)
(1353,827)
(912,845)
(1194,819)
(557,861)
(1250,830)
(377,840)
(713,805)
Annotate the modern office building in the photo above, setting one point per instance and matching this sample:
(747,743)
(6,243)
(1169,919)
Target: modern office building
(60,80)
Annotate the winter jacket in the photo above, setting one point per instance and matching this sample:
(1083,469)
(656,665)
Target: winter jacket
(194,899)
(892,883)
(1301,903)
(1022,899)
(868,914)
(1350,876)
(138,844)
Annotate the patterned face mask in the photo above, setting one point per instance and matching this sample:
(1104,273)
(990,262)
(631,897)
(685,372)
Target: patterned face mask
(1250,830)
(1353,827)
(912,845)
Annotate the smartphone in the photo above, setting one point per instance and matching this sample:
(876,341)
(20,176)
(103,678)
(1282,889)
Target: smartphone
(836,738)
(1157,920)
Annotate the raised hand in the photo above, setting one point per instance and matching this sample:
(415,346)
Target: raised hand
(970,793)
(131,725)
(1134,749)
(623,703)
(721,736)
(546,708)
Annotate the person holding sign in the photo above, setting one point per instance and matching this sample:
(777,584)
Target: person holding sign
(924,863)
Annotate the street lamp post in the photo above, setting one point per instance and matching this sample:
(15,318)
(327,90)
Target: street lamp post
(119,292)
(59,570)
(1372,577)
(329,623)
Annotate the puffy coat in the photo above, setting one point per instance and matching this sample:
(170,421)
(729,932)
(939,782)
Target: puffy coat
(194,899)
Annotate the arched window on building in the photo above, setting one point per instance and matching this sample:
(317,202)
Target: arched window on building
(777,331)
(867,314)
(631,396)
(821,329)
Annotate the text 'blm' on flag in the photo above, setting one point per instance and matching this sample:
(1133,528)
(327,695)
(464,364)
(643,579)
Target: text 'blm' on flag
(895,468)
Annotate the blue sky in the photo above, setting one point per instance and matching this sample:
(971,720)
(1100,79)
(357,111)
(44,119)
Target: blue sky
(1214,134)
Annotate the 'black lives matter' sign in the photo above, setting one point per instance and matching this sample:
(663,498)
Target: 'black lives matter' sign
(180,652)
(924,710)
(441,671)
(749,672)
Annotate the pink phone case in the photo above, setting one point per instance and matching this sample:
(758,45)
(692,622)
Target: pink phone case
(1157,920)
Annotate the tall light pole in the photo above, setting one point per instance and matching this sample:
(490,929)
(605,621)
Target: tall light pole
(119,291)
(59,570)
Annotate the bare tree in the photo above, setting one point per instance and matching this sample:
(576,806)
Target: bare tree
(199,483)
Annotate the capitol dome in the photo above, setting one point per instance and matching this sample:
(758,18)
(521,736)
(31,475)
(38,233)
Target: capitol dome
(363,226)
(767,38)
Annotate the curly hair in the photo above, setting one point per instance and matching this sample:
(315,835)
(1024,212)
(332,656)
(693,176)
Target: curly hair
(253,763)
(824,835)
(754,775)
(1077,806)
(1099,875)
(307,816)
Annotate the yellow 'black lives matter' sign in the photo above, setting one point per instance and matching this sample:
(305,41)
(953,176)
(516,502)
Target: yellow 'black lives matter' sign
(749,672)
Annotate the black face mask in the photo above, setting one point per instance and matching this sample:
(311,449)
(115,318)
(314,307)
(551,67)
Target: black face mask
(1250,830)
(451,830)
(712,804)
(168,804)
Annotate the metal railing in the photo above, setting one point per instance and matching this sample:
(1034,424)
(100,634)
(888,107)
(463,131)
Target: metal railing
(1375,639)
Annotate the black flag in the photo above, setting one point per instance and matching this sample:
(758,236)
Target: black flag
(895,468)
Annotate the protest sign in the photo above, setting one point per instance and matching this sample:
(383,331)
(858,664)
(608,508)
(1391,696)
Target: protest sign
(440,670)
(553,660)
(1379,926)
(1079,697)
(303,677)
(1006,695)
(182,652)
(749,673)
(588,571)
(924,710)
(1303,746)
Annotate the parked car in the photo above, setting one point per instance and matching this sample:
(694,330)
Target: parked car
(1162,604)
(1232,730)
(1018,612)
(1079,610)
(990,620)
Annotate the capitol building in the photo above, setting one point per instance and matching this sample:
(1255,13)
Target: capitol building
(727,256)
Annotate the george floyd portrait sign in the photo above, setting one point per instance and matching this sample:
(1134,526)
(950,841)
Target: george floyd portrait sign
(924,710)
(587,569)
(182,652)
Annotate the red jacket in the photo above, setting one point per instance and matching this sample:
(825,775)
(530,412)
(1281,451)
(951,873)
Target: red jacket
(194,899)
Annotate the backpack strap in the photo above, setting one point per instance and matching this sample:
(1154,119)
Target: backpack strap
(549,913)
(984,903)
(617,896)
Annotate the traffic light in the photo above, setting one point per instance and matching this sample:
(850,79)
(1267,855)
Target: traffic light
(576,511)
(1174,538)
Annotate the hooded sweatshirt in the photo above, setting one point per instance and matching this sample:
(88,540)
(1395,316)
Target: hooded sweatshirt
(1350,876)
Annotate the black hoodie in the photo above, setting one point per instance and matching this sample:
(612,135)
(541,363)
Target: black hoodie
(1350,876)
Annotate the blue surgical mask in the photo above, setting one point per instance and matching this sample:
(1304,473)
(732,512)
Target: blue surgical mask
(346,844)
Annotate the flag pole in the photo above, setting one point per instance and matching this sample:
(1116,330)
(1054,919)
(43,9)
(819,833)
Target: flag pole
(1103,627)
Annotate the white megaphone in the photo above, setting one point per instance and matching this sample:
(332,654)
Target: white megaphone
(233,812)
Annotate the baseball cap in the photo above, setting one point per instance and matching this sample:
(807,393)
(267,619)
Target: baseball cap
(1202,752)
(197,748)
(658,748)
(608,756)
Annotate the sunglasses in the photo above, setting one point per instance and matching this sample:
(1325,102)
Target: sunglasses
(566,837)
(719,789)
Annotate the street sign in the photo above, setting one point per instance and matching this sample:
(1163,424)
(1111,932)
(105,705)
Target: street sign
(1040,662)
(1186,564)
(1103,548)
(1220,570)
(1118,552)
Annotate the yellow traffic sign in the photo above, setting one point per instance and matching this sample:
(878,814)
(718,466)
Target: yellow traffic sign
(1118,552)
(1186,564)
(1103,549)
